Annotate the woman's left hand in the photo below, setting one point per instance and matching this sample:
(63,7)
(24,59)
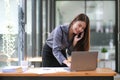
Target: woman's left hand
(76,39)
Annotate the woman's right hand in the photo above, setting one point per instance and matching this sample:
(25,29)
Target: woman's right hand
(67,63)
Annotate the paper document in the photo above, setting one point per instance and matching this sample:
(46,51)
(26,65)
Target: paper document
(48,70)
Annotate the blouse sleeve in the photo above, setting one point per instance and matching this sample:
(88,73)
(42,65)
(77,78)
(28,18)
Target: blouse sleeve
(57,45)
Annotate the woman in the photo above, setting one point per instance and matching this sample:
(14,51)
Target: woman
(64,39)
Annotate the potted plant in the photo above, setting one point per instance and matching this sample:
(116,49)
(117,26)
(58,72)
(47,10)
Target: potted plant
(104,54)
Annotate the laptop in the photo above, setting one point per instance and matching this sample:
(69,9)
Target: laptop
(83,61)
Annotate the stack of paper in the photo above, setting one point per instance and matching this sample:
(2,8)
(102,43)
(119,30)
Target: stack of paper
(12,69)
(47,70)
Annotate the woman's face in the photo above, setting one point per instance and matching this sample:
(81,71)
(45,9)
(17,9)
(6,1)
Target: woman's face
(78,27)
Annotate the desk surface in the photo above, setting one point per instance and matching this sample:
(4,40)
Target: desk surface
(61,72)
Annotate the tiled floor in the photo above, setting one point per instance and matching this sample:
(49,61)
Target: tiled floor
(109,64)
(117,77)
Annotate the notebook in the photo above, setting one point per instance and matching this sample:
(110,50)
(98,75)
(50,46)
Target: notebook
(83,61)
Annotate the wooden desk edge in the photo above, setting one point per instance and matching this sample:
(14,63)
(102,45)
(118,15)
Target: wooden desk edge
(52,74)
(83,73)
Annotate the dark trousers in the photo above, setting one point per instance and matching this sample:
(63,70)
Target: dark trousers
(48,59)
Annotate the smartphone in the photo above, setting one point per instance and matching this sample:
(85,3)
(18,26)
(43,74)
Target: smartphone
(79,35)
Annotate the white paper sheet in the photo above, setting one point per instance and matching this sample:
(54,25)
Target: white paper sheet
(48,70)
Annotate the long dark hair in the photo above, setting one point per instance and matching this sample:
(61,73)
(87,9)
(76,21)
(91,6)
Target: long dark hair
(84,43)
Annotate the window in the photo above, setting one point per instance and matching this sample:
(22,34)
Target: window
(8,30)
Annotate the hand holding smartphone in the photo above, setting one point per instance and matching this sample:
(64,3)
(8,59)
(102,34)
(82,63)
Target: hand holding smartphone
(77,38)
(81,35)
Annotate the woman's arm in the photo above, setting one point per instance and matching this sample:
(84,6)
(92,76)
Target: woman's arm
(57,45)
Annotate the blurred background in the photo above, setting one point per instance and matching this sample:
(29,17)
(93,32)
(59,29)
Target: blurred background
(26,24)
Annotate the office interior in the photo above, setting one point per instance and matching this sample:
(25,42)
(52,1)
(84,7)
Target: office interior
(26,24)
